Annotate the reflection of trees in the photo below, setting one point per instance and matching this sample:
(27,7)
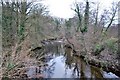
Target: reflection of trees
(77,64)
(49,70)
(69,61)
(69,57)
(95,72)
(80,66)
(57,48)
(53,48)
(76,69)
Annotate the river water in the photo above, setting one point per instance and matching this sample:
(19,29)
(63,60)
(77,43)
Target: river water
(61,64)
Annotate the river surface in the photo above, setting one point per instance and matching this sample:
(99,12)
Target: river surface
(61,64)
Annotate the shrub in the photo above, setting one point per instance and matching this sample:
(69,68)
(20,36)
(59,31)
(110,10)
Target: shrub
(112,45)
(98,49)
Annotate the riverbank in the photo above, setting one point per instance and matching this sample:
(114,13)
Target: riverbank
(108,65)
(106,61)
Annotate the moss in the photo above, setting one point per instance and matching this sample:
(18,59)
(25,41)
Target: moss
(10,66)
(98,49)
(112,45)
(110,42)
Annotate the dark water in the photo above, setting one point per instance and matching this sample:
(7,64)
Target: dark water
(61,64)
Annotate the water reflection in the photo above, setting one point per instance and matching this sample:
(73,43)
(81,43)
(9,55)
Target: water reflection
(80,68)
(53,48)
(64,65)
(96,72)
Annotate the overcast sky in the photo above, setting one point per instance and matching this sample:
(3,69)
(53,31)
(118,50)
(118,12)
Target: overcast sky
(62,8)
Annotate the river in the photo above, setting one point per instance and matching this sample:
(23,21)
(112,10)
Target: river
(61,64)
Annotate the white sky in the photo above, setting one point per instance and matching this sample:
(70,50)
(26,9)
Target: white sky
(62,8)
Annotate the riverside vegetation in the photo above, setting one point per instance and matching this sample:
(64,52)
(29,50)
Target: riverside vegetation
(27,27)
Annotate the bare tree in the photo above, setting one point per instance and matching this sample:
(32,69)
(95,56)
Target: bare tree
(83,22)
(113,13)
